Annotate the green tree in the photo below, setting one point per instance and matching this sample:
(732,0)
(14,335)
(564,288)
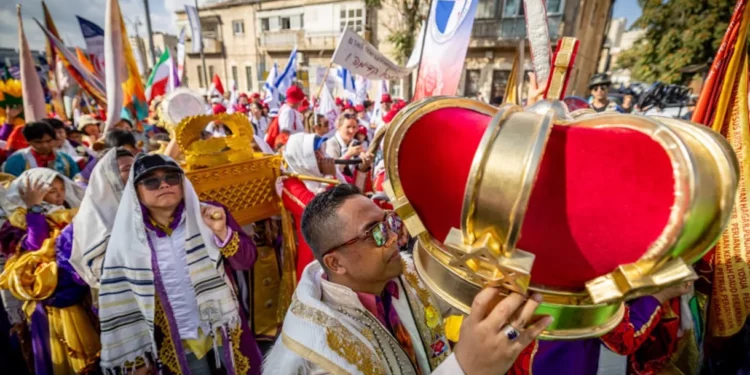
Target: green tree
(402,32)
(678,33)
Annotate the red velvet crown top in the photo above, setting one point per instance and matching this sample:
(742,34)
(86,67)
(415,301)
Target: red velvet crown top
(601,196)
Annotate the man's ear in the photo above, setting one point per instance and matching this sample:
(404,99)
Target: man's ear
(332,262)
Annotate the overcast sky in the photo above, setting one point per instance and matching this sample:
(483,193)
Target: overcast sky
(64,13)
(162,17)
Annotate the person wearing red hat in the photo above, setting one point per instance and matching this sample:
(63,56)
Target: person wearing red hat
(290,119)
(386,103)
(340,105)
(305,106)
(242,104)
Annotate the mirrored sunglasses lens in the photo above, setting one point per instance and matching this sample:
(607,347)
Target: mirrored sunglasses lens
(380,235)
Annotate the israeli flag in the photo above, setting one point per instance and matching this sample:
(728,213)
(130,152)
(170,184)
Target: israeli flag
(346,79)
(287,77)
(272,97)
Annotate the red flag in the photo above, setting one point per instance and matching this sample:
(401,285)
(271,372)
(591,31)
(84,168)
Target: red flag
(217,84)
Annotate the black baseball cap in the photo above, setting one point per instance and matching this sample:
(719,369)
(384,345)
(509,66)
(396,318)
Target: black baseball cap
(145,164)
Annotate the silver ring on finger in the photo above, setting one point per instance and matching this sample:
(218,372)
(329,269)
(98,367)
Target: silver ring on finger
(510,332)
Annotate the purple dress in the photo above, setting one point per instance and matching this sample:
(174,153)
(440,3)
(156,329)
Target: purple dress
(242,260)
(581,357)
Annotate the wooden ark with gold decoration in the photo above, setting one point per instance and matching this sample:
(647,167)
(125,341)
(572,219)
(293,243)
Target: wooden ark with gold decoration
(591,210)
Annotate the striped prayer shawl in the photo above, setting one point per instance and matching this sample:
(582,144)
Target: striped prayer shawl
(126,297)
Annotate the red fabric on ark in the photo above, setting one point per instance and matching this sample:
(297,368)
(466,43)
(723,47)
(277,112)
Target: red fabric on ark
(601,197)
(296,197)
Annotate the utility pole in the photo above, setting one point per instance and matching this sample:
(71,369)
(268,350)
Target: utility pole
(150,34)
(203,56)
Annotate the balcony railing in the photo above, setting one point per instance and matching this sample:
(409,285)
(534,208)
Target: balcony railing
(210,46)
(510,28)
(287,39)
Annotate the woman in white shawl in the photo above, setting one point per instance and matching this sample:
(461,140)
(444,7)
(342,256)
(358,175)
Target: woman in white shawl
(38,205)
(93,224)
(305,154)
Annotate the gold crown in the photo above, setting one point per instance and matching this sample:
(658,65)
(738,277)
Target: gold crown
(213,152)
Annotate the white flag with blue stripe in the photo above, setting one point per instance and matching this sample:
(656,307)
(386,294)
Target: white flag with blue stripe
(287,77)
(347,80)
(272,97)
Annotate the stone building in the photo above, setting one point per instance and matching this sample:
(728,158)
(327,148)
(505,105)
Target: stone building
(243,38)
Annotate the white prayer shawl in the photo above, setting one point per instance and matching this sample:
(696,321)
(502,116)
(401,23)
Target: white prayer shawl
(126,297)
(11,200)
(299,154)
(96,216)
(326,322)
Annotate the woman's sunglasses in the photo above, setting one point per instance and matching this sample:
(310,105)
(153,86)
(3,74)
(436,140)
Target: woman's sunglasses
(378,232)
(153,183)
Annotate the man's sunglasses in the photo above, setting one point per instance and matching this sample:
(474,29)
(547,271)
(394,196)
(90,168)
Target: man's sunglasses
(153,183)
(378,232)
(349,116)
(600,87)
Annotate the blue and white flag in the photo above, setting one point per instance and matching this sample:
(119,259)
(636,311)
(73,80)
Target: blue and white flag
(272,96)
(195,27)
(94,37)
(287,77)
(346,79)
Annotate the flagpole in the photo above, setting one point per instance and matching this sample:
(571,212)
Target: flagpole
(150,34)
(203,56)
(325,77)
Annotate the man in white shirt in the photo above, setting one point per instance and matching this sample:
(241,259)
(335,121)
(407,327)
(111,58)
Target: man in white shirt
(362,309)
(290,119)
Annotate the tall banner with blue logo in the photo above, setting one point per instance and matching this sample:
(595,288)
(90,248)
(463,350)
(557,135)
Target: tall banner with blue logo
(444,49)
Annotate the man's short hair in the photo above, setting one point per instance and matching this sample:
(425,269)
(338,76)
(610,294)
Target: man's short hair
(34,131)
(320,223)
(119,138)
(54,123)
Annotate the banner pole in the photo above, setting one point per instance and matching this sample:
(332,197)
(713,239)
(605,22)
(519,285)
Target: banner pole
(203,56)
(325,77)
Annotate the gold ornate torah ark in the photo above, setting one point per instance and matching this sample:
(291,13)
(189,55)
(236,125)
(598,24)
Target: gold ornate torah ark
(590,210)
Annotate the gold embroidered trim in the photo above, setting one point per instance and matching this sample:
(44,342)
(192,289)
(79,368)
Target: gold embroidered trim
(293,198)
(241,363)
(432,320)
(650,321)
(232,246)
(312,356)
(167,352)
(531,359)
(340,340)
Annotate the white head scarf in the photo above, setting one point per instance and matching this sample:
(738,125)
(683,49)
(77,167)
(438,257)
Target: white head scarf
(299,154)
(93,224)
(11,200)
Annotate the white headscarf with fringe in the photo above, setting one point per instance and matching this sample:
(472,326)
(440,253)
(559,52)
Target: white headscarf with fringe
(11,198)
(127,295)
(96,216)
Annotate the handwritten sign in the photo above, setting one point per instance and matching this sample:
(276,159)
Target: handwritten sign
(363,59)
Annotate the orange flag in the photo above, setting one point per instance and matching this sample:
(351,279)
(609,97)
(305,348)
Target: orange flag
(52,61)
(723,105)
(85,60)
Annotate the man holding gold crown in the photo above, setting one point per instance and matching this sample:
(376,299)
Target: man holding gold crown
(362,309)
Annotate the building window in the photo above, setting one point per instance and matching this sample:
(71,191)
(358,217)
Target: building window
(352,18)
(261,70)
(286,23)
(296,22)
(499,83)
(513,8)
(238,27)
(235,77)
(210,73)
(471,86)
(264,24)
(249,78)
(487,9)
(555,7)
(200,76)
